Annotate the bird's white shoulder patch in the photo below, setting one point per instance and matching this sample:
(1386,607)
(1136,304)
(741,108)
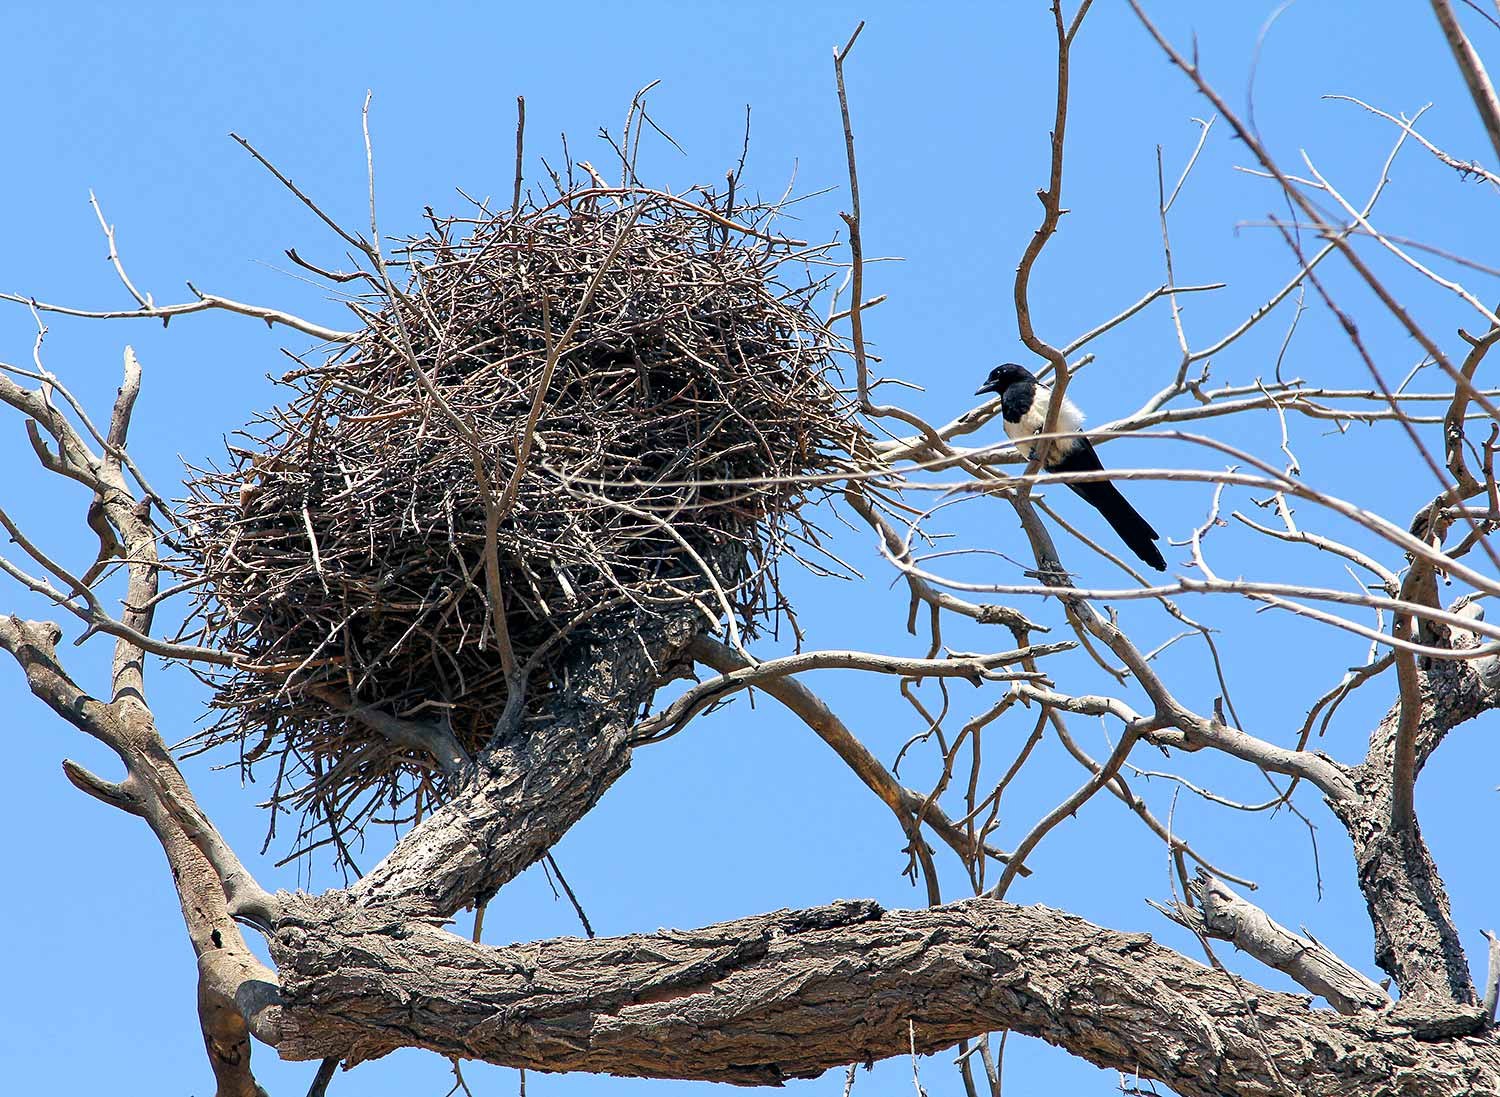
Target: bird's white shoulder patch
(1069,419)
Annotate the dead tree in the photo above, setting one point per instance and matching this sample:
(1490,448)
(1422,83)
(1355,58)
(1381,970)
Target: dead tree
(543,475)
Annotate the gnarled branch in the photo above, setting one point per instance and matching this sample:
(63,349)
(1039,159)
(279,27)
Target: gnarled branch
(791,994)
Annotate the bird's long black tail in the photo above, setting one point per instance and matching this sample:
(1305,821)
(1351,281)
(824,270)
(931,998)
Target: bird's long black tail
(1104,497)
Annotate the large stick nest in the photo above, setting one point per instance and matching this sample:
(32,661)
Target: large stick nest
(609,404)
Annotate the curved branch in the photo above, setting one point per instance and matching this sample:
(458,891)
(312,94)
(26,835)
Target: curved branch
(975,668)
(909,808)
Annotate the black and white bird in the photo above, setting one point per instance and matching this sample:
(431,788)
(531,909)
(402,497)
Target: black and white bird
(1024,404)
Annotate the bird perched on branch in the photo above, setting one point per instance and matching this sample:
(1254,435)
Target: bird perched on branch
(1024,404)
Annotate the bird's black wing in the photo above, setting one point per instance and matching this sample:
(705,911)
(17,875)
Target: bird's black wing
(1104,497)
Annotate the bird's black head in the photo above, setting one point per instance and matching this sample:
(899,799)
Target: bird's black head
(1002,377)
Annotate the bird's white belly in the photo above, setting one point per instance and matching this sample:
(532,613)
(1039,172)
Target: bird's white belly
(1069,419)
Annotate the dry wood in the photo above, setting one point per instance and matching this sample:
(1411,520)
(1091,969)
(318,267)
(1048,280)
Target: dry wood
(563,442)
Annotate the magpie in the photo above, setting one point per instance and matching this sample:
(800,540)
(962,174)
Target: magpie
(1024,403)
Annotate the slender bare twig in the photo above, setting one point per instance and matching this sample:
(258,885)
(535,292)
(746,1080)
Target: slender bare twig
(975,668)
(204,302)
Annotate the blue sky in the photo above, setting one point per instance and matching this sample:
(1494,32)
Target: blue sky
(746,811)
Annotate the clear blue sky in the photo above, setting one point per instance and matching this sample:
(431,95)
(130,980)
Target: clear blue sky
(746,811)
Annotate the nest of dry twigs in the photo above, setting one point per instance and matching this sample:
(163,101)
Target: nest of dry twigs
(575,408)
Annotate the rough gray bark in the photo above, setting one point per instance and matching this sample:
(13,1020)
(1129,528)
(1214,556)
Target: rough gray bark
(524,793)
(1416,941)
(793,993)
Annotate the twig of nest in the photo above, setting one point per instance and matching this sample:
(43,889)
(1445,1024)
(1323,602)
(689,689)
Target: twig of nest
(608,404)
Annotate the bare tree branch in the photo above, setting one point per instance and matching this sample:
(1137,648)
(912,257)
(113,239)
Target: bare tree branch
(910,809)
(974,668)
(1223,914)
(204,302)
(1472,68)
(238,995)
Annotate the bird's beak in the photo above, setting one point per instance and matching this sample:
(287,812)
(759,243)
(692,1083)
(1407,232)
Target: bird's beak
(989,386)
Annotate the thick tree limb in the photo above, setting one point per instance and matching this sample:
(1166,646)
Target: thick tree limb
(1416,941)
(793,993)
(527,791)
(237,994)
(227,1041)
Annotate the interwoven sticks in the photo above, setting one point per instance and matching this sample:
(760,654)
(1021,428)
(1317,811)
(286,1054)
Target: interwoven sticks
(597,398)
